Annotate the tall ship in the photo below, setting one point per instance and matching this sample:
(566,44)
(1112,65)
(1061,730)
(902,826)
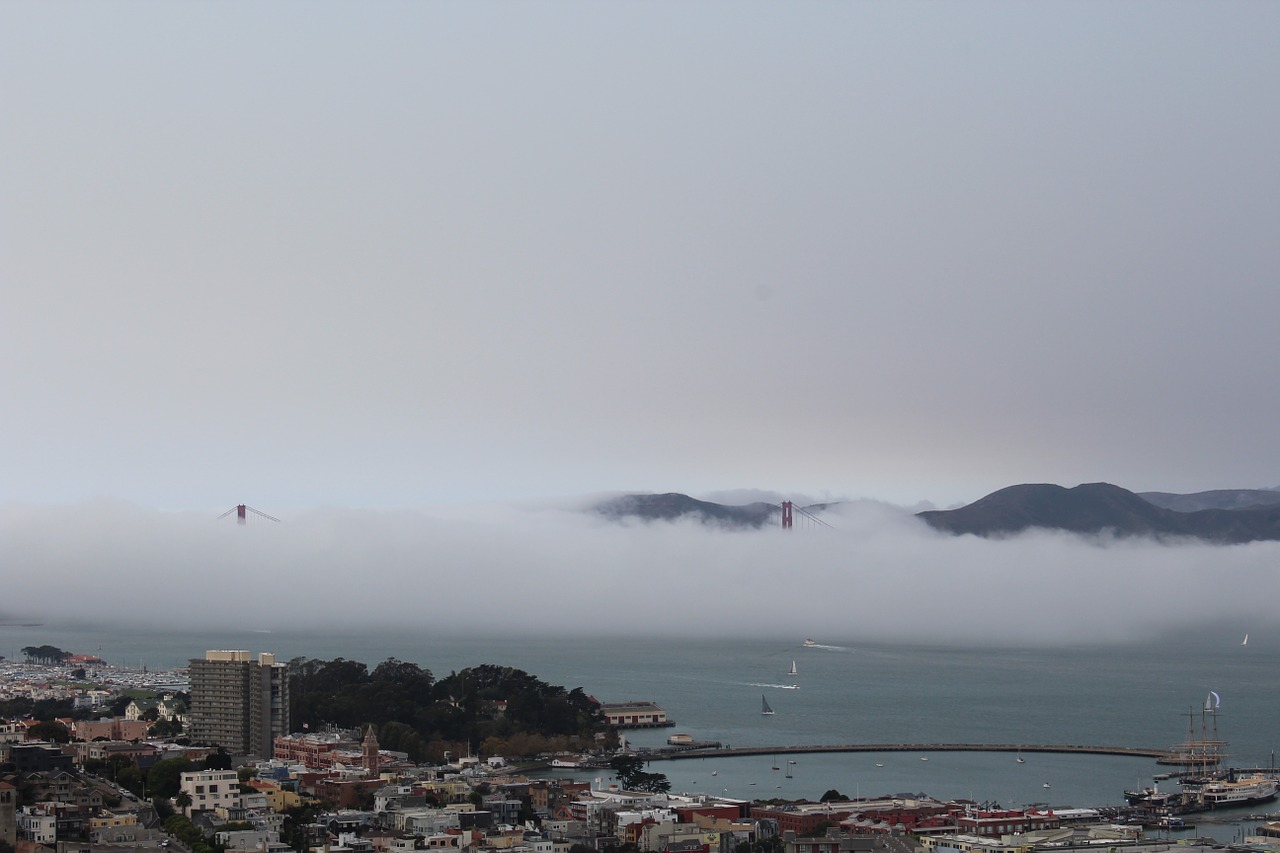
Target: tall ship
(1201,754)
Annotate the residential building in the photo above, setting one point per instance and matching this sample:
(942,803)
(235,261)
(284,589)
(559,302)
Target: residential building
(210,790)
(238,702)
(8,814)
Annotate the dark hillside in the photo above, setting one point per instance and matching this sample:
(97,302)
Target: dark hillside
(1216,499)
(1099,507)
(673,505)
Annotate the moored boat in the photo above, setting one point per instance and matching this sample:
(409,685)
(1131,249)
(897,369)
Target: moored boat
(1225,793)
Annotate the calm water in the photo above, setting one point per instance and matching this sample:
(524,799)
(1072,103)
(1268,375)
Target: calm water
(1135,695)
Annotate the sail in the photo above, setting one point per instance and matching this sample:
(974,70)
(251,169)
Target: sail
(764,705)
(793,669)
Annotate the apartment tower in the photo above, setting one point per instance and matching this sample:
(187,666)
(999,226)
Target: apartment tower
(238,702)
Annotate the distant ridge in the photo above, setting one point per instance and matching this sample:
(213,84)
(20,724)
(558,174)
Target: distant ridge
(1102,507)
(1216,499)
(673,505)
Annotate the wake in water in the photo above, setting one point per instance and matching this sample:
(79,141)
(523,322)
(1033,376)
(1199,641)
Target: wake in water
(775,686)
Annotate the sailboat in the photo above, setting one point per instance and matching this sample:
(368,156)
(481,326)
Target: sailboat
(793,673)
(1021,760)
(1245,642)
(764,706)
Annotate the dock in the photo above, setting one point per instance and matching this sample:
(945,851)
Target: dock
(1124,751)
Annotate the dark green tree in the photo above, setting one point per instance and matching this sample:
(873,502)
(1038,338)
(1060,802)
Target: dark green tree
(45,654)
(632,776)
(165,777)
(219,760)
(131,779)
(50,730)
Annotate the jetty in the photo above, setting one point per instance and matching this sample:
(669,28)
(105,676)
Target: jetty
(1131,751)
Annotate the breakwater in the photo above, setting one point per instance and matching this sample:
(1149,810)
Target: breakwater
(729,751)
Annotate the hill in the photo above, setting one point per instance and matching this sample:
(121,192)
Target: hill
(1102,507)
(1216,499)
(673,505)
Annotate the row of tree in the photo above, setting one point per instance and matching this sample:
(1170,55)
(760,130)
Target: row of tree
(46,654)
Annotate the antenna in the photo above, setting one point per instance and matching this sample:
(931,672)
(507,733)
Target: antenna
(242,514)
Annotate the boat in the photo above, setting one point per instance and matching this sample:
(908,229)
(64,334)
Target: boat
(923,758)
(765,710)
(793,671)
(715,772)
(1046,785)
(1245,642)
(809,642)
(1021,760)
(1244,791)
(1153,798)
(878,764)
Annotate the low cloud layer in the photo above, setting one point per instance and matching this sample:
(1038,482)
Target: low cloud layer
(877,574)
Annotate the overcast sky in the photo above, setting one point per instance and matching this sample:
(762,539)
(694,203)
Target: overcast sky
(385,255)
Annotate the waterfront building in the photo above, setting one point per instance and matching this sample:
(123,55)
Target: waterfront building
(238,702)
(634,715)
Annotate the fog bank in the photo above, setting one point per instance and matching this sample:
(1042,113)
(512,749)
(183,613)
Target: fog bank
(877,574)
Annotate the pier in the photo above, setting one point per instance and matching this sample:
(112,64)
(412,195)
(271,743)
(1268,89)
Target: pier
(674,754)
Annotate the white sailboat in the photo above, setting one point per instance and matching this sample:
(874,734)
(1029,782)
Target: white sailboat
(1245,642)
(765,710)
(793,671)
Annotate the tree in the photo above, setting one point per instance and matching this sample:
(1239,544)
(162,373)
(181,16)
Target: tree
(625,767)
(131,779)
(832,795)
(219,760)
(164,728)
(45,654)
(165,777)
(631,775)
(50,730)
(182,800)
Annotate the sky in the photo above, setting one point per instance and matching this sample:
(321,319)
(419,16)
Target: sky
(421,278)
(390,255)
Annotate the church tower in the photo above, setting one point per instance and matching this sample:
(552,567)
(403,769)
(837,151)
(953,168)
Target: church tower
(370,746)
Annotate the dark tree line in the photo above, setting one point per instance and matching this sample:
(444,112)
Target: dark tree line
(416,714)
(46,654)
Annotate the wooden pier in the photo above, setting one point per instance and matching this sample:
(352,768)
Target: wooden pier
(1132,751)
